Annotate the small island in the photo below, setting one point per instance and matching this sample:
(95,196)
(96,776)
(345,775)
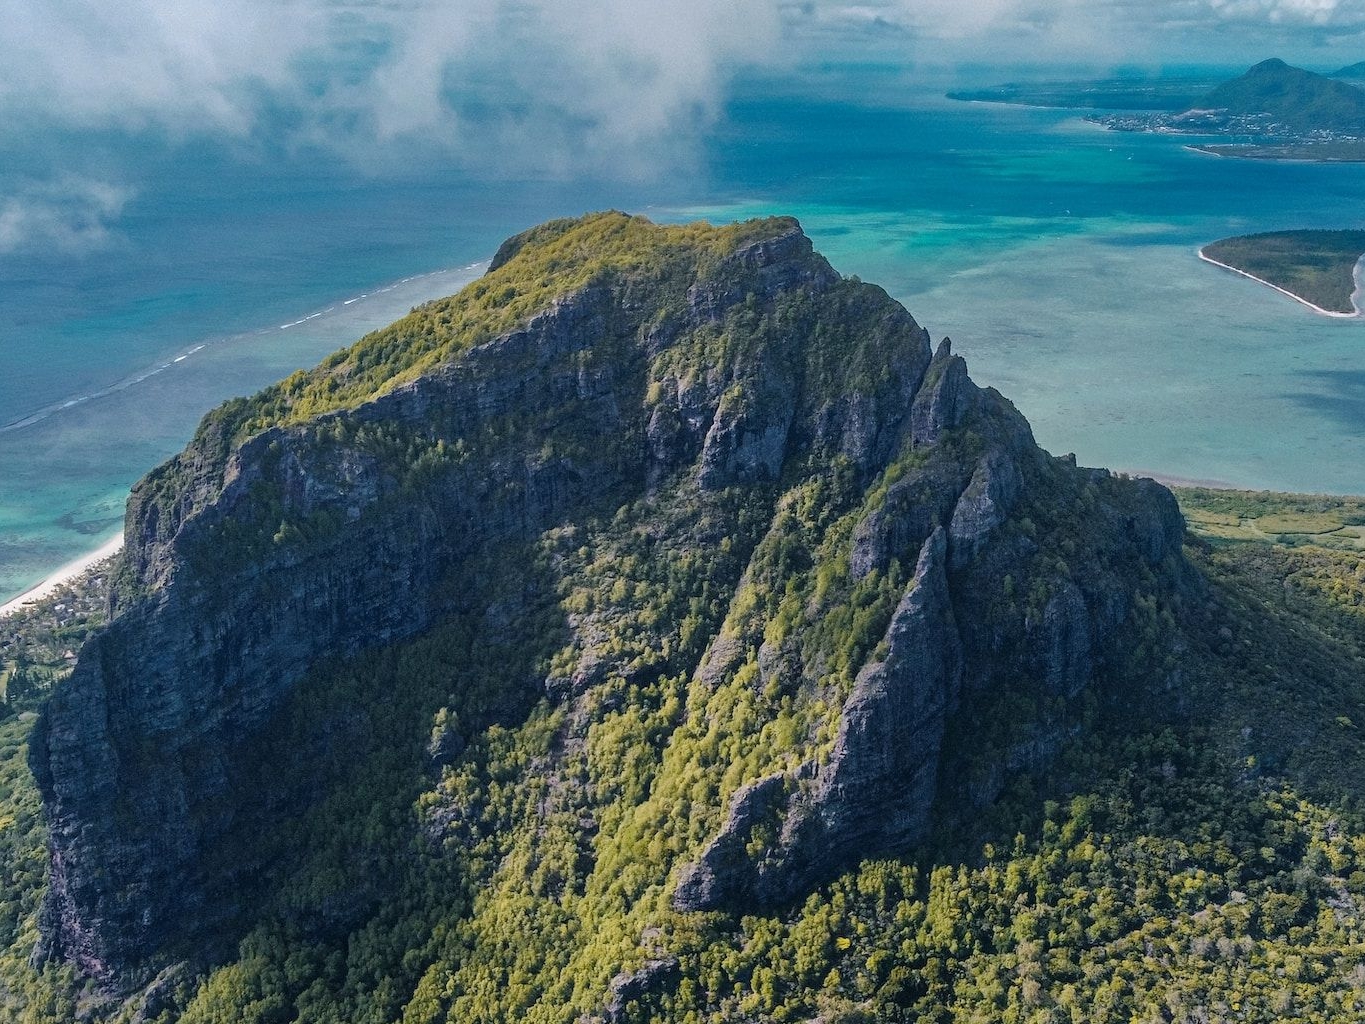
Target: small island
(1318,268)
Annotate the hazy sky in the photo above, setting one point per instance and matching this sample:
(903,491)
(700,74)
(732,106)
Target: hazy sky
(537,86)
(621,69)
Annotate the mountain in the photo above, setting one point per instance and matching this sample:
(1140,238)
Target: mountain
(661,629)
(1301,100)
(1350,71)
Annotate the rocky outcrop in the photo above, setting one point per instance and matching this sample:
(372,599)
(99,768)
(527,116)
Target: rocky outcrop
(725,872)
(984,505)
(880,781)
(250,560)
(632,986)
(876,791)
(964,512)
(136,753)
(946,398)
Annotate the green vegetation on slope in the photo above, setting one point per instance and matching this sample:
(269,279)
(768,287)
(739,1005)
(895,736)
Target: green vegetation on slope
(1209,865)
(485,822)
(1298,99)
(553,260)
(38,643)
(1317,266)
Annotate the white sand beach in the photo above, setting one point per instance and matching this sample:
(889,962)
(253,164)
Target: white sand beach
(1185,481)
(64,575)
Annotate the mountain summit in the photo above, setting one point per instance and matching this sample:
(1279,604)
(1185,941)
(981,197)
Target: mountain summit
(1300,100)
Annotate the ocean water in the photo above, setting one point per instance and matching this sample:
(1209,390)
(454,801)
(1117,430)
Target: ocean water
(1060,258)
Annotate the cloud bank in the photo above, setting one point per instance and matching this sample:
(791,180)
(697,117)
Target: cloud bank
(551,87)
(523,82)
(70,214)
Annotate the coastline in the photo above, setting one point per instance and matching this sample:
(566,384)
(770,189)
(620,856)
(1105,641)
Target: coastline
(62,576)
(195,369)
(1297,298)
(1167,480)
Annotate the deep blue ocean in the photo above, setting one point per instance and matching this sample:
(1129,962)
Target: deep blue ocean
(1058,256)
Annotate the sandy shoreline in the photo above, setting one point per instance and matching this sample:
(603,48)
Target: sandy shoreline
(1316,309)
(1185,481)
(64,575)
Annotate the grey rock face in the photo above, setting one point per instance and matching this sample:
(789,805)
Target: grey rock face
(747,441)
(984,505)
(724,872)
(881,778)
(763,266)
(135,754)
(631,986)
(141,755)
(249,562)
(946,398)
(876,791)
(963,628)
(1067,641)
(914,507)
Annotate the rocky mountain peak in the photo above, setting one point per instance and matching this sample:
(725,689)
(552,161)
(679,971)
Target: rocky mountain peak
(629,458)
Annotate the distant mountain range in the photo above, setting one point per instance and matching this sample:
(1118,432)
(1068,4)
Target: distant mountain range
(1350,71)
(1299,99)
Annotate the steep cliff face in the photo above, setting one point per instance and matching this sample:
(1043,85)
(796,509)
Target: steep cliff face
(960,627)
(791,499)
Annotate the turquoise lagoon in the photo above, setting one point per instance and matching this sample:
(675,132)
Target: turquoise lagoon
(1059,257)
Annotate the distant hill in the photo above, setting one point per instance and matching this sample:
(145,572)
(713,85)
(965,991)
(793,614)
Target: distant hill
(1351,71)
(1300,99)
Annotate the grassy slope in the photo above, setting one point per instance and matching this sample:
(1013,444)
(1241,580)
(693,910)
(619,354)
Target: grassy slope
(565,256)
(1317,266)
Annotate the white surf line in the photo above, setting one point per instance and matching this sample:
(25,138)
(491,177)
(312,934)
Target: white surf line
(197,348)
(142,375)
(104,392)
(62,576)
(1297,298)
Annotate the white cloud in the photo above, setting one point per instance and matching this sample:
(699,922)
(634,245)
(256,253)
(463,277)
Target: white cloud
(541,82)
(71,214)
(189,65)
(1290,12)
(547,86)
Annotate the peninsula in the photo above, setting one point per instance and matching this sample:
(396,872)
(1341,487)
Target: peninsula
(1318,268)
(1273,111)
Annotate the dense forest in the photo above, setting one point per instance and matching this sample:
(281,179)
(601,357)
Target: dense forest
(1204,866)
